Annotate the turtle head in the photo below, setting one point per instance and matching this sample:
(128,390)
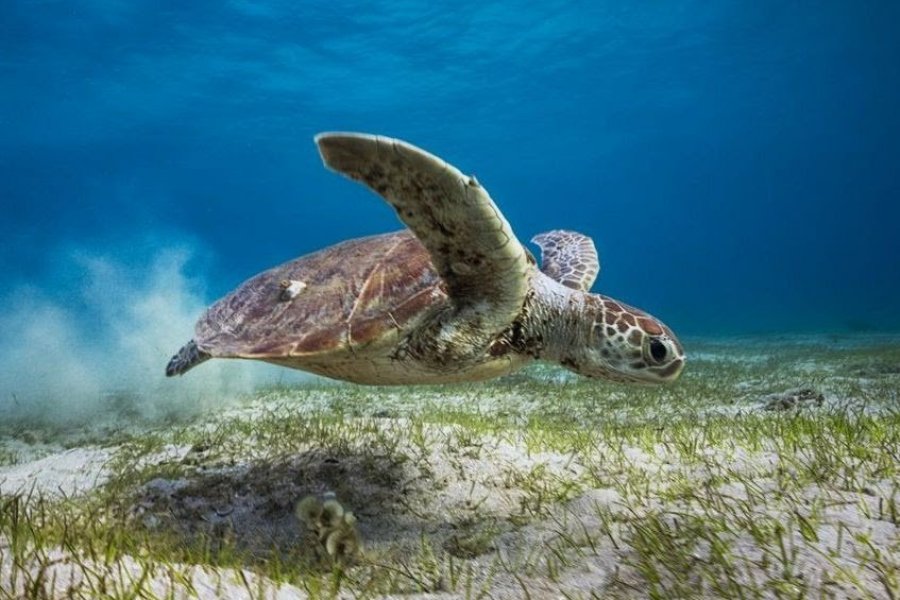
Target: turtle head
(627,344)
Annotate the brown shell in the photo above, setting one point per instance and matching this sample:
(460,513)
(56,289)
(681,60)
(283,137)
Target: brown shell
(355,293)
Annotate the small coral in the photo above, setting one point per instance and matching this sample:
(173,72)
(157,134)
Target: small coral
(332,514)
(334,526)
(344,539)
(308,510)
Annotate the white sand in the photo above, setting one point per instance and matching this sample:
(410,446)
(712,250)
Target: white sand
(66,473)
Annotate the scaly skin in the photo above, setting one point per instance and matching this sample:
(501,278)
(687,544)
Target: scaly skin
(593,335)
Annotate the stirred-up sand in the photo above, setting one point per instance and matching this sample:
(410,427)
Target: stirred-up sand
(770,470)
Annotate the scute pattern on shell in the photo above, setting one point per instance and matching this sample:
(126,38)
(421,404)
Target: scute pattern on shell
(355,293)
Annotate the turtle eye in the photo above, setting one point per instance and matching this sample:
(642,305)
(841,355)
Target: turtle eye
(658,350)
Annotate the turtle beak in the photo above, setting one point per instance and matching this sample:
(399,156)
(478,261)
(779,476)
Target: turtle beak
(670,372)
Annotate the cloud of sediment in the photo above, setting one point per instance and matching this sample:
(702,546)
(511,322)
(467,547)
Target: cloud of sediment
(91,342)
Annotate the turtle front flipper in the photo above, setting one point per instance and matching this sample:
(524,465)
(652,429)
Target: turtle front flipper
(568,257)
(470,243)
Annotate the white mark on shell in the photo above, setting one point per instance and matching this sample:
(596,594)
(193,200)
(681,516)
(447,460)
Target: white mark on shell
(290,288)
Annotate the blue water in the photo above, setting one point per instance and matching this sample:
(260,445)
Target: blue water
(737,163)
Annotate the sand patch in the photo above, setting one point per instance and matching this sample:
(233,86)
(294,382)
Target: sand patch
(66,473)
(536,487)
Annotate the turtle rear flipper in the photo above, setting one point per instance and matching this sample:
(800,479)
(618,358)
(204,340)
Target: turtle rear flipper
(186,359)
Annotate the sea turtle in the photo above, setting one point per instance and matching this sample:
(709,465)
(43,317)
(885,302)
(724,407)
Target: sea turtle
(455,297)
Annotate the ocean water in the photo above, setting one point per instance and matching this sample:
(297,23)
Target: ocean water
(737,163)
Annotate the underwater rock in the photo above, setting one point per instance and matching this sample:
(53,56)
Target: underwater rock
(796,398)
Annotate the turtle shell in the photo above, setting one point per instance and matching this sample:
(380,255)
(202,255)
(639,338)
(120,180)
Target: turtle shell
(343,298)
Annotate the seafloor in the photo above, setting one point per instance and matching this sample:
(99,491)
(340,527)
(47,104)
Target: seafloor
(771,469)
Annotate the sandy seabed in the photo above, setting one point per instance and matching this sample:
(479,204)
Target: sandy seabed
(771,470)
